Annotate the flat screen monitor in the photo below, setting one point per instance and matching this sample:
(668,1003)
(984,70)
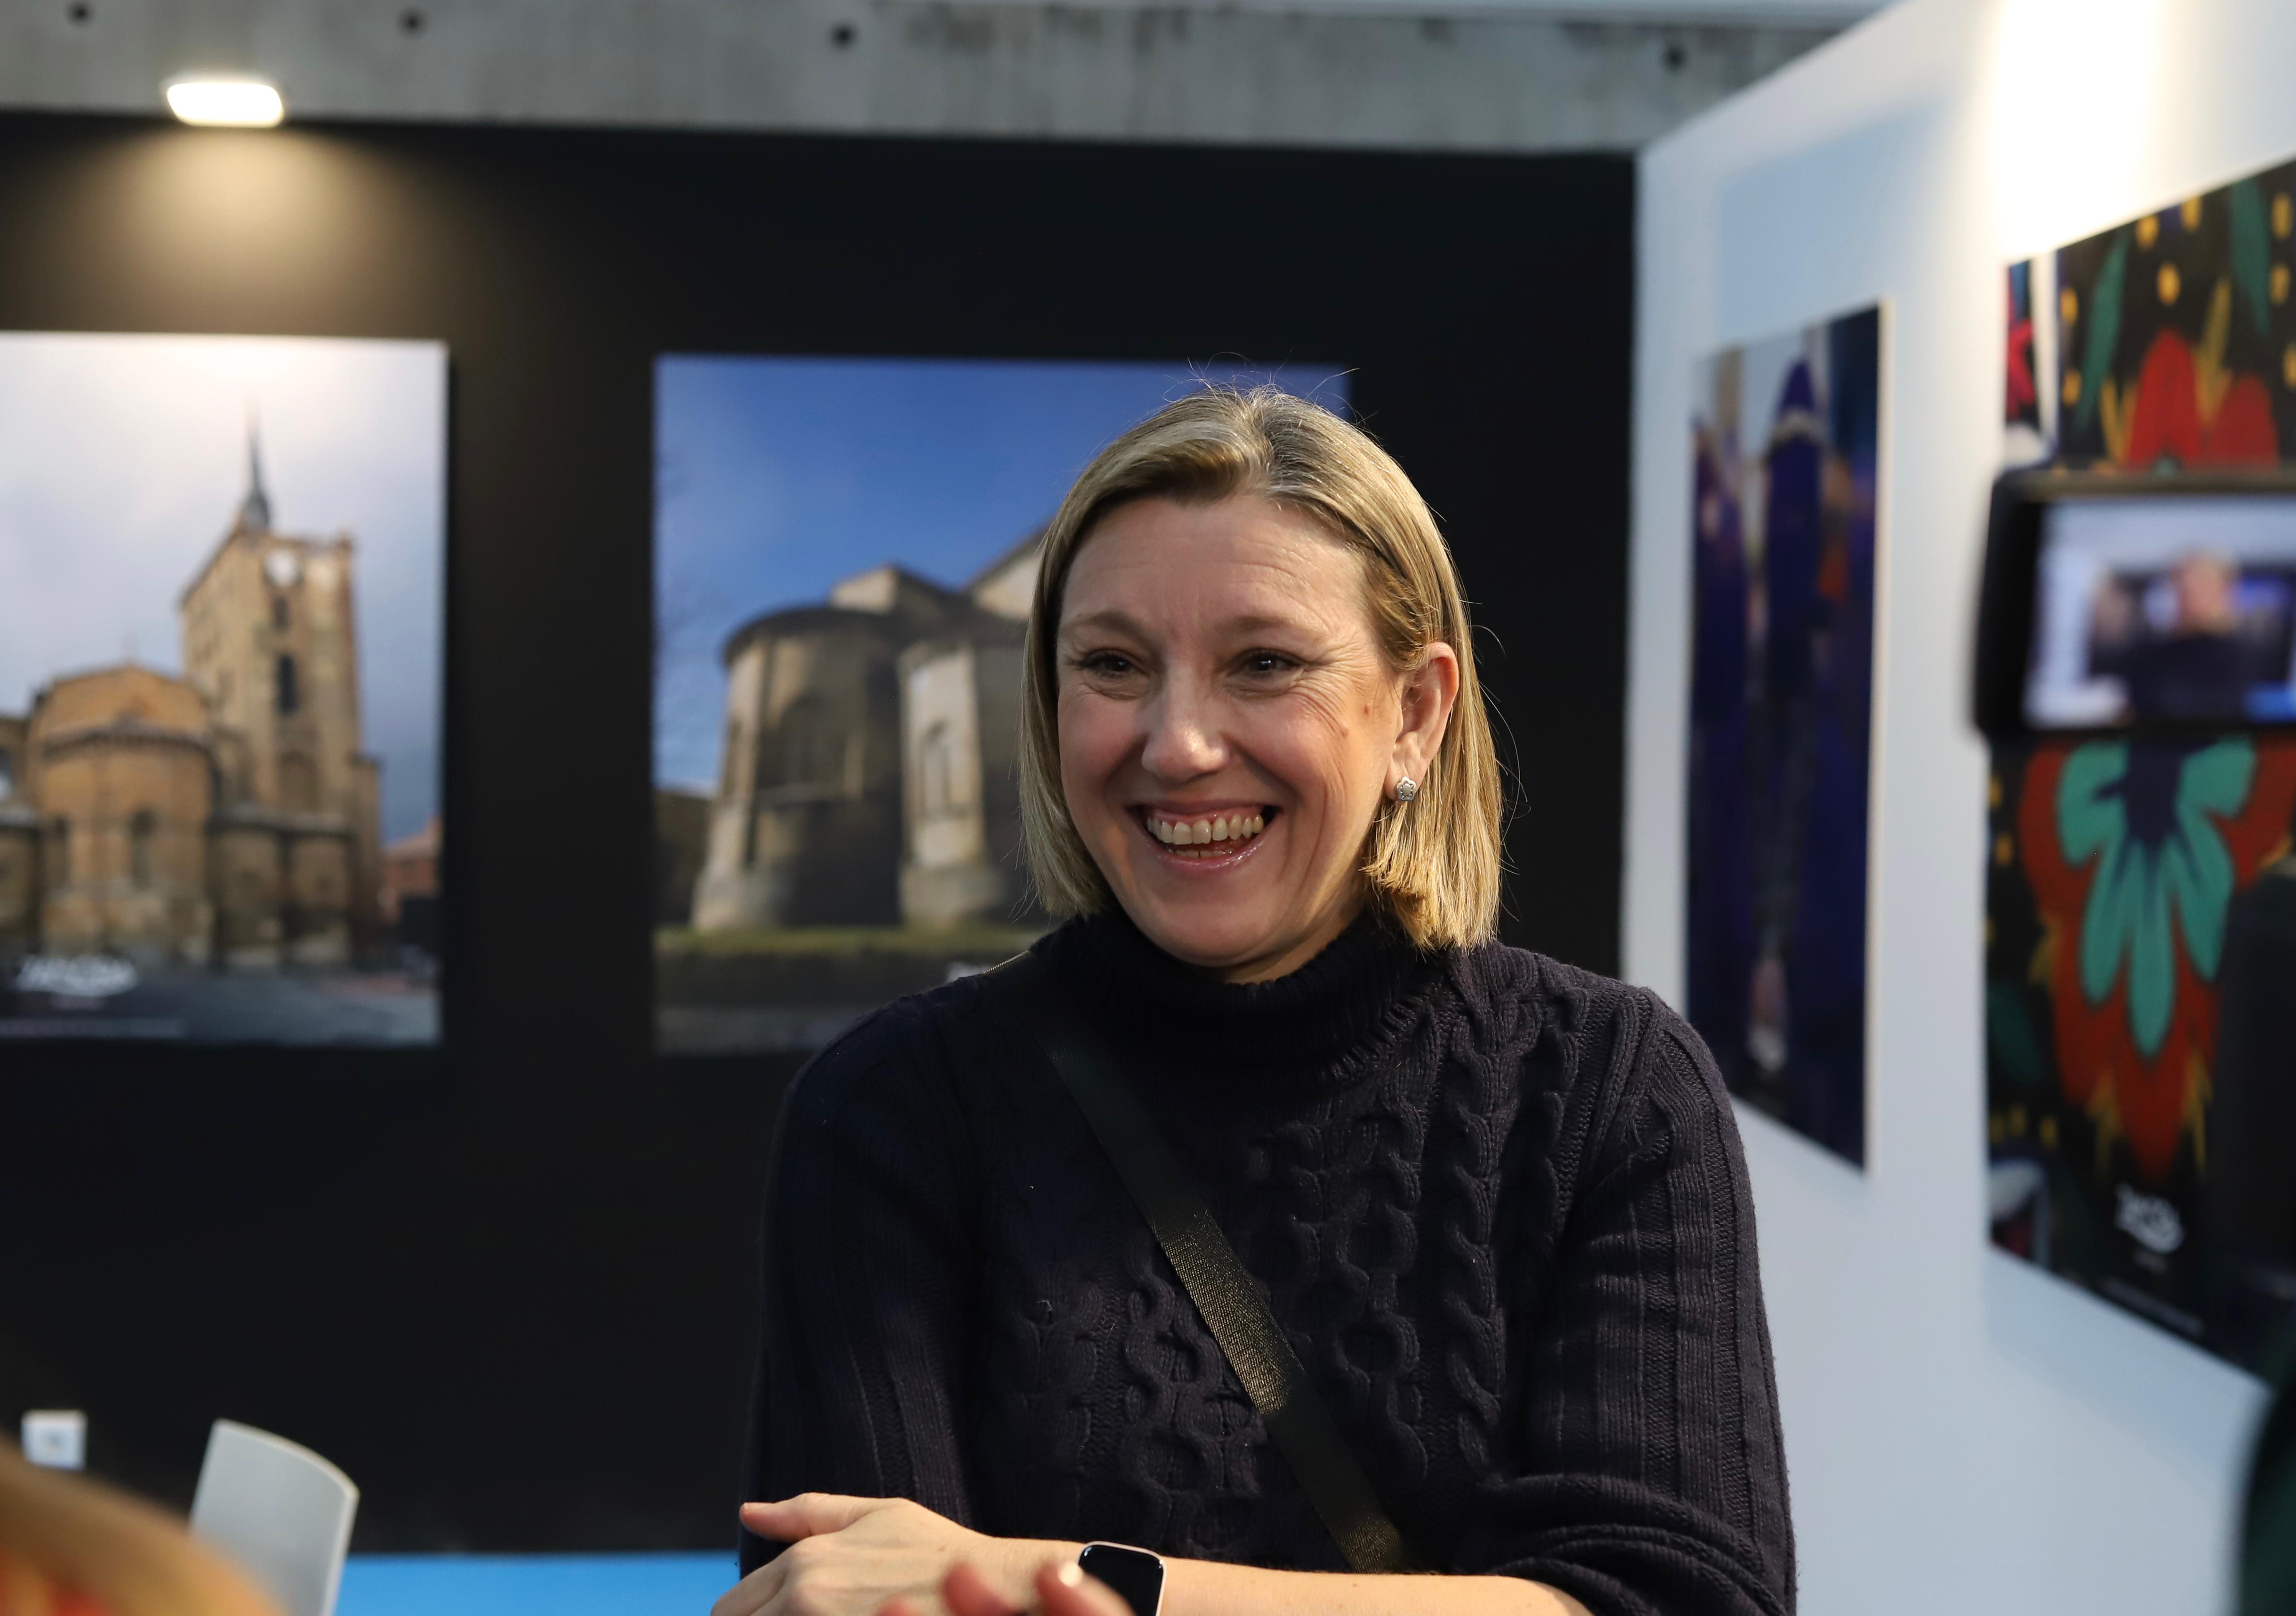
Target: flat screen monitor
(2175,610)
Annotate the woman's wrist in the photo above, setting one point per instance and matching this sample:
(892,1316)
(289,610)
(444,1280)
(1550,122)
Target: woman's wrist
(1012,1562)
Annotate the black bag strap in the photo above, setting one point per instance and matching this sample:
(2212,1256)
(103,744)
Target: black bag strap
(1217,1281)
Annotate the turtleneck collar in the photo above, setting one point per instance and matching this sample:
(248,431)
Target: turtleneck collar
(1314,1028)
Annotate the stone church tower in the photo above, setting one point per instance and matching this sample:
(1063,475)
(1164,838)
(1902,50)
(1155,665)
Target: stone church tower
(228,817)
(271,641)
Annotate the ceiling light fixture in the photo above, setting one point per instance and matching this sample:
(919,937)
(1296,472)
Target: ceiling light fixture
(242,103)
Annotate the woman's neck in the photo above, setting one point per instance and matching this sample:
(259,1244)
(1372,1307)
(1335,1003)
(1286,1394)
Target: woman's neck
(1282,954)
(1310,1024)
(1290,956)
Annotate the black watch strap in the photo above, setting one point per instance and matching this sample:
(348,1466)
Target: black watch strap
(1136,1576)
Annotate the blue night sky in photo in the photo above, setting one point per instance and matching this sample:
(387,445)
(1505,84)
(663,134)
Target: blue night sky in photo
(774,478)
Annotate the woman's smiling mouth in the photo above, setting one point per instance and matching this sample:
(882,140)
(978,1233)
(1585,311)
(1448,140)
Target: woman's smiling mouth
(1220,834)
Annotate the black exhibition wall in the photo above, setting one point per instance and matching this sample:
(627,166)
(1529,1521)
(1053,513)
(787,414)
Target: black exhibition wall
(506,1285)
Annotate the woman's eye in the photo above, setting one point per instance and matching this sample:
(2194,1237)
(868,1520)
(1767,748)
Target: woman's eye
(1267,662)
(1107,663)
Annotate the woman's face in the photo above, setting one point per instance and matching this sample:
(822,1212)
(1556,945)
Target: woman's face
(1229,727)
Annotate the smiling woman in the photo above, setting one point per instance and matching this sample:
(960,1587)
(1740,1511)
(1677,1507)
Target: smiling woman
(1320,600)
(1228,728)
(1494,1206)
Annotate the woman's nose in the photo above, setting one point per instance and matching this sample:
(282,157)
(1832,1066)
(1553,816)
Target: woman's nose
(1182,741)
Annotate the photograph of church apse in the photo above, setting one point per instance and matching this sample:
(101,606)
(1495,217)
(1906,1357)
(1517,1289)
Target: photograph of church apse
(845,553)
(1785,458)
(221,590)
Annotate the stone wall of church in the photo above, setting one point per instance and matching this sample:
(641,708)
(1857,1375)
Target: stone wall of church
(268,640)
(13,762)
(946,876)
(319,873)
(251,887)
(807,827)
(960,726)
(999,681)
(282,891)
(124,817)
(112,838)
(869,775)
(122,787)
(20,847)
(19,882)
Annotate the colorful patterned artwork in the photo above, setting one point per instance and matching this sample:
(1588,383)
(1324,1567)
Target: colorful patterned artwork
(2020,396)
(2175,338)
(2117,868)
(1786,446)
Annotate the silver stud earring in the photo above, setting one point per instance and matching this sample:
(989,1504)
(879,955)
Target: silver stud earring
(1405,789)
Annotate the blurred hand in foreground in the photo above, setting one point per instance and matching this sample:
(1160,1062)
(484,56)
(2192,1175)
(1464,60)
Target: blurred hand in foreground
(1061,1590)
(848,1556)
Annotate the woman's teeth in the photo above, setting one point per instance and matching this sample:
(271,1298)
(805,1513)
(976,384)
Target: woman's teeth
(1185,836)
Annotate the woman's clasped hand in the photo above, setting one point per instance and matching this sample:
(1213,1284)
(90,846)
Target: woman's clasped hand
(892,1557)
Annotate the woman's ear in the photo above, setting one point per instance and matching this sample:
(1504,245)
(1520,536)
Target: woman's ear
(1428,692)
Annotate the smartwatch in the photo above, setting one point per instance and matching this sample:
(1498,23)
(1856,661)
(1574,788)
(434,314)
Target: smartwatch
(1135,1575)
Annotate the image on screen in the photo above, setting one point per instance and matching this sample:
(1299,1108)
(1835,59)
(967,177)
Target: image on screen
(2180,609)
(845,550)
(221,593)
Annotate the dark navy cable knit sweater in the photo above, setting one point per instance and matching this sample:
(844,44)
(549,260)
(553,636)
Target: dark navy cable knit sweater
(1497,1202)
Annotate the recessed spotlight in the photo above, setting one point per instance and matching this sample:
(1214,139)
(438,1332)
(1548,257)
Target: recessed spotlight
(244,103)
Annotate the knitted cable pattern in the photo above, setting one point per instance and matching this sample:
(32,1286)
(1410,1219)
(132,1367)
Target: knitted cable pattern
(1497,1205)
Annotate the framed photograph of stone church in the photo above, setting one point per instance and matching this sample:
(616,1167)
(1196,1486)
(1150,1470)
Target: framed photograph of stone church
(221,591)
(845,553)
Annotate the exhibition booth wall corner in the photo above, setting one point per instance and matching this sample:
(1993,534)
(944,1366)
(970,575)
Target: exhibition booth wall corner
(2001,1381)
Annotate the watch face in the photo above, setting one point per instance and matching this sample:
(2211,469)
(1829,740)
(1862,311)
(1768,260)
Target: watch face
(1136,1576)
(280,566)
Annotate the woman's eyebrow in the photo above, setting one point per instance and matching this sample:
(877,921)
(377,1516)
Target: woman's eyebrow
(1105,621)
(1110,619)
(1259,623)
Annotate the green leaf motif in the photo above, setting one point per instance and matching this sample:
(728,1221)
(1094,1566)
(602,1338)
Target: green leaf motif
(2009,1034)
(2089,815)
(2214,786)
(2093,825)
(2251,252)
(2151,947)
(2104,329)
(2143,898)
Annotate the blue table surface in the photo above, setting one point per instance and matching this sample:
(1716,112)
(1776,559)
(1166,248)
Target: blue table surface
(533,1584)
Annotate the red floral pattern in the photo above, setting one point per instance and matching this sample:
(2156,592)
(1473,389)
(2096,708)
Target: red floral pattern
(2174,418)
(2150,1102)
(2021,394)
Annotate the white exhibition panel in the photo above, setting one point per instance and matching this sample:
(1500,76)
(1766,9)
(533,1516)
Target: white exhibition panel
(1964,1432)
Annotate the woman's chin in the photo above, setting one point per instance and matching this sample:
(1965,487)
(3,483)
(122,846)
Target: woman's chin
(1198,934)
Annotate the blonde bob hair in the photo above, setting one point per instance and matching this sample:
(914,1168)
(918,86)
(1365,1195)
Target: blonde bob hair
(1433,864)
